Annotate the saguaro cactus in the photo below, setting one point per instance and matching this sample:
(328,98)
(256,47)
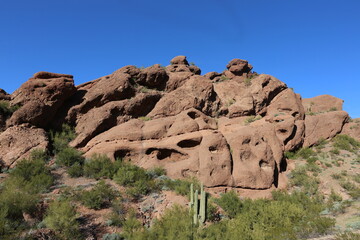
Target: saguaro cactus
(197,207)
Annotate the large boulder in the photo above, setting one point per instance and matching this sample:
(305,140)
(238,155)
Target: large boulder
(17,142)
(241,98)
(322,103)
(40,98)
(352,128)
(287,114)
(323,126)
(115,87)
(239,67)
(180,64)
(197,92)
(153,77)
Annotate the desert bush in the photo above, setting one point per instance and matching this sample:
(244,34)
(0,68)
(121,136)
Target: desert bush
(128,174)
(351,188)
(181,186)
(174,224)
(285,217)
(99,166)
(117,216)
(132,228)
(69,156)
(61,217)
(76,170)
(7,109)
(61,139)
(345,142)
(301,179)
(157,172)
(34,173)
(39,154)
(17,197)
(230,203)
(99,196)
(305,153)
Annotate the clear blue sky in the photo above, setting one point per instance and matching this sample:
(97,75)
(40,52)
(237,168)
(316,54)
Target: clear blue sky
(313,46)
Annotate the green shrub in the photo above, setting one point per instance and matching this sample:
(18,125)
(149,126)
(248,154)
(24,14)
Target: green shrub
(6,109)
(128,174)
(345,142)
(99,196)
(174,224)
(117,216)
(335,151)
(39,154)
(17,197)
(351,188)
(294,216)
(76,170)
(156,172)
(99,166)
(305,153)
(69,156)
(132,228)
(138,180)
(61,217)
(35,174)
(300,178)
(230,203)
(290,155)
(60,140)
(181,186)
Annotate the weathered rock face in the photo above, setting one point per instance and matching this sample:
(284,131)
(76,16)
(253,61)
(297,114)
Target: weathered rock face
(323,126)
(197,92)
(18,141)
(322,103)
(4,95)
(40,98)
(352,129)
(226,129)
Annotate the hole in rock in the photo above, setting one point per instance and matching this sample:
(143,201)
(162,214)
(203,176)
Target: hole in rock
(213,149)
(246,141)
(193,115)
(166,154)
(295,114)
(263,164)
(122,154)
(189,143)
(282,130)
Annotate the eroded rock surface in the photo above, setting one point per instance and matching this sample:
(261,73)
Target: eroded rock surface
(17,142)
(40,98)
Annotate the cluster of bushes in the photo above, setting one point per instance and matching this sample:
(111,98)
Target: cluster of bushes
(287,216)
(345,142)
(19,193)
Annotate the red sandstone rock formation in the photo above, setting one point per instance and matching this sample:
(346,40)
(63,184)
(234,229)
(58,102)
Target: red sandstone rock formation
(227,129)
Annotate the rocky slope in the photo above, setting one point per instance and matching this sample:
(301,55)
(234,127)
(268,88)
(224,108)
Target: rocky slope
(227,129)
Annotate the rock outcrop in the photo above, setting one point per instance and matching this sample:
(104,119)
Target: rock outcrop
(322,103)
(226,129)
(17,142)
(323,126)
(40,98)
